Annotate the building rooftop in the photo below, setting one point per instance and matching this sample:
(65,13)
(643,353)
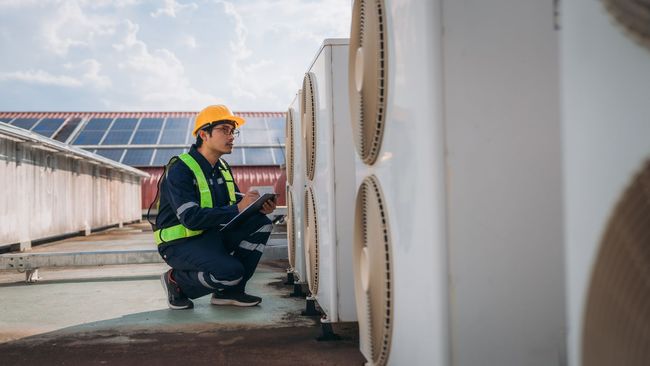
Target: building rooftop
(143,139)
(117,315)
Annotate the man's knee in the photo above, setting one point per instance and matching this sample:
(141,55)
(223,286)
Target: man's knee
(227,274)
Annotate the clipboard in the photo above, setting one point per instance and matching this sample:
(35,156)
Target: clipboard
(248,211)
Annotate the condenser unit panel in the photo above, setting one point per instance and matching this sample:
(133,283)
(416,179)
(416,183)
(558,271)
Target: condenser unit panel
(605,126)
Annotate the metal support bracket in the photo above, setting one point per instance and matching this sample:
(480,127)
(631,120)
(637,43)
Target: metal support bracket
(310,309)
(290,277)
(31,275)
(297,291)
(327,333)
(31,262)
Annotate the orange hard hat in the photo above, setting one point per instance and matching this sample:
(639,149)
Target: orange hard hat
(215,113)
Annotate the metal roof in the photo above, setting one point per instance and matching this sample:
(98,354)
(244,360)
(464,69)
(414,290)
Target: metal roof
(109,114)
(150,138)
(40,142)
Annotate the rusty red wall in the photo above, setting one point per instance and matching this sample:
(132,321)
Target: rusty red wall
(245,176)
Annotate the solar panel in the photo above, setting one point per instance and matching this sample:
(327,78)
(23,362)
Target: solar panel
(279,154)
(177,123)
(190,137)
(120,132)
(175,131)
(277,136)
(145,137)
(67,129)
(151,124)
(88,138)
(258,156)
(236,158)
(98,124)
(5,120)
(138,157)
(254,136)
(114,154)
(117,137)
(163,155)
(47,126)
(124,124)
(276,123)
(26,123)
(255,123)
(148,131)
(93,131)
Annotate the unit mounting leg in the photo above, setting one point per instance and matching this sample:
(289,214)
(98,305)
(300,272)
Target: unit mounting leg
(310,309)
(327,332)
(31,275)
(290,278)
(297,291)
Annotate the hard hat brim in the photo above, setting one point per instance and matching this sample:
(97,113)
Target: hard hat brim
(238,123)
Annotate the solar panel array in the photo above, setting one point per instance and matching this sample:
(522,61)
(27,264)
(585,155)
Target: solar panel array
(152,141)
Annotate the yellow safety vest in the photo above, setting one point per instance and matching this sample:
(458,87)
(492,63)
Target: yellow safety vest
(179,231)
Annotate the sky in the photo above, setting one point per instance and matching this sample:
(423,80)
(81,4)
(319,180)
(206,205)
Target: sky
(160,55)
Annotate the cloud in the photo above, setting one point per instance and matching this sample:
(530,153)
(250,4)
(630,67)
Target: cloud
(189,41)
(145,54)
(40,77)
(171,8)
(17,3)
(156,78)
(281,46)
(71,27)
(90,73)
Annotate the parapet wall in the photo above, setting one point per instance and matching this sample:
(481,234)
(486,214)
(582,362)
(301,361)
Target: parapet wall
(49,189)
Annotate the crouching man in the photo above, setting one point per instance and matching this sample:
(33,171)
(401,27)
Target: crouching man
(197,195)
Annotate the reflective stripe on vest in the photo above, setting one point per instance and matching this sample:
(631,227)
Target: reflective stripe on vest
(204,188)
(179,231)
(230,183)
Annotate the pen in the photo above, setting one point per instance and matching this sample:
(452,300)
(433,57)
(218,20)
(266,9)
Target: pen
(239,194)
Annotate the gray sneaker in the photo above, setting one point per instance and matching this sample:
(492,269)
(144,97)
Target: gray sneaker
(234,298)
(175,298)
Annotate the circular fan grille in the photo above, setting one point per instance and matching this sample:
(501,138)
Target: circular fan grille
(367,78)
(617,318)
(309,123)
(373,272)
(291,230)
(634,15)
(311,241)
(289,132)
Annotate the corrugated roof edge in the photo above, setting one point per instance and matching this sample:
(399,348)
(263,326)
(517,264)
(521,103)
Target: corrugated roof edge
(150,114)
(17,133)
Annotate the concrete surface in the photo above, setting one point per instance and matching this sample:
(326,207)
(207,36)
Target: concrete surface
(117,315)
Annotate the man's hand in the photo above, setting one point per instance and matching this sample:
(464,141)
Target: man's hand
(249,197)
(268,207)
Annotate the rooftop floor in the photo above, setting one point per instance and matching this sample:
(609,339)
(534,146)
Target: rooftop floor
(117,315)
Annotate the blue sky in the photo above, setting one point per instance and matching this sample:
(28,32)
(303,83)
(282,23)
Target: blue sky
(87,55)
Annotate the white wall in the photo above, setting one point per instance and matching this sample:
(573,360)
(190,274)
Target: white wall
(45,194)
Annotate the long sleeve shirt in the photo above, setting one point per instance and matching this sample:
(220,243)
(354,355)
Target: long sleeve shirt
(180,200)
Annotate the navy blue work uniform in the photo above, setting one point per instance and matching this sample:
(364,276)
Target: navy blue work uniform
(213,260)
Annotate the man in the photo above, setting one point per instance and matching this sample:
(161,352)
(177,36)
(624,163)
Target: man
(197,195)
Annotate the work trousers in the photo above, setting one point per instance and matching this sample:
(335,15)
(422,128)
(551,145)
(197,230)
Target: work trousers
(218,260)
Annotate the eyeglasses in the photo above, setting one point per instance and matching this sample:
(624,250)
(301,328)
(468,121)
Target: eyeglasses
(227,131)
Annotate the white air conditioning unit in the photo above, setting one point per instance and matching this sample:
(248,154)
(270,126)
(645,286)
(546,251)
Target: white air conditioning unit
(606,144)
(329,169)
(400,258)
(458,236)
(295,190)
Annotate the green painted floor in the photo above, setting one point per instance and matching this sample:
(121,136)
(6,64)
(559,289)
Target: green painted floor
(73,300)
(118,315)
